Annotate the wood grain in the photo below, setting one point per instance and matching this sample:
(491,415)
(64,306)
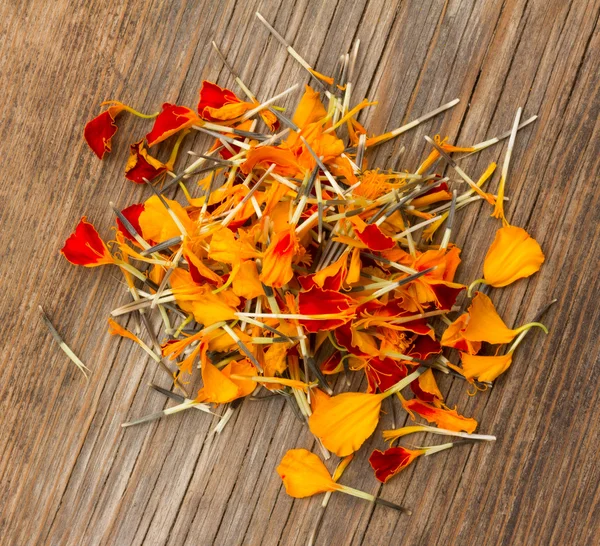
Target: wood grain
(68,472)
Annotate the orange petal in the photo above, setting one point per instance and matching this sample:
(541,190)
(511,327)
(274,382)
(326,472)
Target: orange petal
(484,368)
(156,222)
(443,418)
(485,324)
(513,255)
(304,474)
(277,261)
(115,329)
(453,336)
(345,421)
(218,388)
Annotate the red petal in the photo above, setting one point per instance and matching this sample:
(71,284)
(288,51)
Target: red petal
(374,238)
(213,96)
(421,394)
(141,169)
(99,131)
(442,187)
(132,213)
(445,295)
(172,119)
(84,246)
(383,374)
(318,302)
(395,308)
(424,346)
(391,461)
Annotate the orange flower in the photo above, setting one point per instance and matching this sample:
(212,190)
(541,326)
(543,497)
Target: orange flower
(345,421)
(388,463)
(514,255)
(141,165)
(85,247)
(277,260)
(304,474)
(444,418)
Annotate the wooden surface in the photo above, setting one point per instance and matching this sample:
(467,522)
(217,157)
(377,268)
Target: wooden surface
(70,475)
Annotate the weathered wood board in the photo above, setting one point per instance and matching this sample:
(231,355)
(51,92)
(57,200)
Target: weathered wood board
(70,475)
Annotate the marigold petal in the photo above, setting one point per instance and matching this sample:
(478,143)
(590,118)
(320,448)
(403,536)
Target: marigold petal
(444,418)
(304,474)
(513,255)
(390,462)
(345,421)
(85,247)
(141,166)
(171,120)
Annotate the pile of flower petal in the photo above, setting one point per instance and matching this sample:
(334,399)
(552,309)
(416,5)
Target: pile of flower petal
(298,266)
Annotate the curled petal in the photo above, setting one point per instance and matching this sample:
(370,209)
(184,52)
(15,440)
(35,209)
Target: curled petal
(425,388)
(284,160)
(99,131)
(277,261)
(374,238)
(444,418)
(310,109)
(115,329)
(220,104)
(453,336)
(141,165)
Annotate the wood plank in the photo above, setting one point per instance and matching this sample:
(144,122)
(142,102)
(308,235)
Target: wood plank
(71,475)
